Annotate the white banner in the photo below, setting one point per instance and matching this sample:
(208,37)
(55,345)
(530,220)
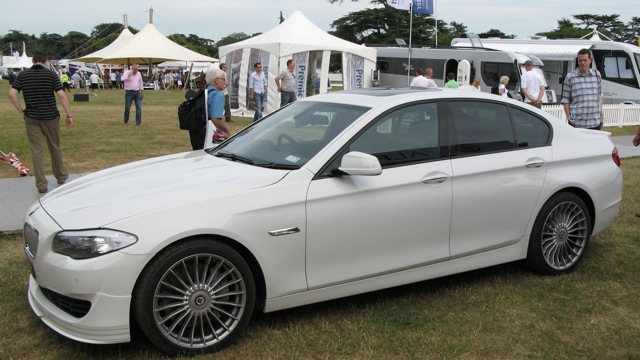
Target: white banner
(300,72)
(399,4)
(355,71)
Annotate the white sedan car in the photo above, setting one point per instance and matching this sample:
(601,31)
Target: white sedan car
(334,195)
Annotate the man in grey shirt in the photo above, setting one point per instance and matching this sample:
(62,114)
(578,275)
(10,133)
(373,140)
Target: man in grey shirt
(286,84)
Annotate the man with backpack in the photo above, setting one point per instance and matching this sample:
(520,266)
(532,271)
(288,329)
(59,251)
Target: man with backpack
(217,81)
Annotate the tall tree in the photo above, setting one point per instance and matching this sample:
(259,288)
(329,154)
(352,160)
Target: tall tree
(565,30)
(12,41)
(73,44)
(495,33)
(632,32)
(384,26)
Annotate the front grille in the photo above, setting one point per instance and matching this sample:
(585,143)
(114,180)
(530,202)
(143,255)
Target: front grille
(30,241)
(74,307)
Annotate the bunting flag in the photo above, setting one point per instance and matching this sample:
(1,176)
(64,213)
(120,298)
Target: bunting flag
(400,4)
(300,72)
(424,7)
(354,73)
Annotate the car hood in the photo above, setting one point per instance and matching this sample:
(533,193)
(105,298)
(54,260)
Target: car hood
(129,190)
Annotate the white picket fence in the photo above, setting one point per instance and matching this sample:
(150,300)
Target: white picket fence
(614,114)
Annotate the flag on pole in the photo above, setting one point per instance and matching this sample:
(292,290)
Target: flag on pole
(400,4)
(424,7)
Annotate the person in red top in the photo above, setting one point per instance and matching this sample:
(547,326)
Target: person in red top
(134,91)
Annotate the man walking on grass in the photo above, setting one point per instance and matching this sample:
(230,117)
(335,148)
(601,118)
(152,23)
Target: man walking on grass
(39,85)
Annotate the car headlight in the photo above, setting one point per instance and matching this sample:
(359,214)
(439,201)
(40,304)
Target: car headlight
(86,244)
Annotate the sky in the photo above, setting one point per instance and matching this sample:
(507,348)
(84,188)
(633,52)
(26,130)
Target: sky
(215,19)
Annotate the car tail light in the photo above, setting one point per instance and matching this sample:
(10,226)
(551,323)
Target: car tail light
(614,155)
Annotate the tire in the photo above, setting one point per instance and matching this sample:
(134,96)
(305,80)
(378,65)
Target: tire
(194,297)
(560,235)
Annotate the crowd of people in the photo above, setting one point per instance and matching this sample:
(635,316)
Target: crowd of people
(112,79)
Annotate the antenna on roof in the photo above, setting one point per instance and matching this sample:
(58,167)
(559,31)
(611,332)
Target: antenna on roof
(150,15)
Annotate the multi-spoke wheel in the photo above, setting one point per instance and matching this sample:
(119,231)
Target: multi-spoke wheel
(194,297)
(560,235)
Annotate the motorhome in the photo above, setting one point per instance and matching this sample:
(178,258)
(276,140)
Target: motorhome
(618,63)
(396,66)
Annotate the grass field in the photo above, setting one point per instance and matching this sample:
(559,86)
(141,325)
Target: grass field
(504,312)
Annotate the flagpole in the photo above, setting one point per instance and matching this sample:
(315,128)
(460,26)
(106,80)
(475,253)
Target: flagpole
(435,15)
(410,36)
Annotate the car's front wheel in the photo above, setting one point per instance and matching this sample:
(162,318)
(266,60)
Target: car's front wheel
(560,235)
(194,297)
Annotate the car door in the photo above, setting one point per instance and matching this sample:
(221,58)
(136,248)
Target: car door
(363,226)
(500,158)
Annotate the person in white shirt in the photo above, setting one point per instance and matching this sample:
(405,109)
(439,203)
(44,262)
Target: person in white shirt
(421,81)
(476,85)
(258,89)
(532,86)
(94,79)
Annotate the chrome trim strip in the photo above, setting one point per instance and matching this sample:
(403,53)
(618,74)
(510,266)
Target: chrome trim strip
(288,231)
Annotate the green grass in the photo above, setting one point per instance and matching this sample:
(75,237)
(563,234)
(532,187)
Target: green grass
(98,138)
(504,312)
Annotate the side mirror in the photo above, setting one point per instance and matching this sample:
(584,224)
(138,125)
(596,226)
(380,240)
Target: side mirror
(358,163)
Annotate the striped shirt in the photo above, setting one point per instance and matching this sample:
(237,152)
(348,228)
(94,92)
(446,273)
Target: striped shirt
(583,92)
(39,86)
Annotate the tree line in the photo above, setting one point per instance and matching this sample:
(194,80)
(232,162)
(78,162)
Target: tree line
(372,26)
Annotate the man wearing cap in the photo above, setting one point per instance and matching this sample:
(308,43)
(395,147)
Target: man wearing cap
(532,87)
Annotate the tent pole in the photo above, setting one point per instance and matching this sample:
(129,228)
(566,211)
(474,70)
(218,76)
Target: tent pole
(410,36)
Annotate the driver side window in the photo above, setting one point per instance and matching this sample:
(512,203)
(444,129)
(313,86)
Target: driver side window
(406,135)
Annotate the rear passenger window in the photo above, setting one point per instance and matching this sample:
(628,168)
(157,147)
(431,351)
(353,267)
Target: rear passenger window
(481,128)
(531,131)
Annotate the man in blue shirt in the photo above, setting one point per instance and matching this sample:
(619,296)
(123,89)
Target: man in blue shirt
(217,81)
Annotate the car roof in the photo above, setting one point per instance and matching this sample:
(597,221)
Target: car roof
(370,97)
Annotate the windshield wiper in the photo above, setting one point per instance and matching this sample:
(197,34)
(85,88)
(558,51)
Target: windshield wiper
(234,157)
(279,166)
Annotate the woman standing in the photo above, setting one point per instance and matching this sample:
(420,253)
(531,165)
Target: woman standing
(502,89)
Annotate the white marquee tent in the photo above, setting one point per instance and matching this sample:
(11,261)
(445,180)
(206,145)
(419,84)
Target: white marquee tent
(124,37)
(18,62)
(22,62)
(148,46)
(299,39)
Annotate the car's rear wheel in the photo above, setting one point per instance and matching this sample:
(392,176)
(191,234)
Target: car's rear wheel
(194,297)
(560,235)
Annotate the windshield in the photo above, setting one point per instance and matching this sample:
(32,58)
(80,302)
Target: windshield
(288,138)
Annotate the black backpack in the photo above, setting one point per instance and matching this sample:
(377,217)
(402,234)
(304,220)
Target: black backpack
(192,113)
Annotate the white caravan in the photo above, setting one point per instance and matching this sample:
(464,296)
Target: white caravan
(617,62)
(395,68)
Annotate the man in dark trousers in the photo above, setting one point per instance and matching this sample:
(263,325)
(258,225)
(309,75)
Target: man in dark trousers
(39,85)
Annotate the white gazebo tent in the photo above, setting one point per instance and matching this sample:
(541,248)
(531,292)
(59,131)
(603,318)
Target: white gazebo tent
(148,46)
(96,56)
(294,39)
(23,61)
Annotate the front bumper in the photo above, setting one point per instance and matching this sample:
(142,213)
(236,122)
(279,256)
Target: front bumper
(86,300)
